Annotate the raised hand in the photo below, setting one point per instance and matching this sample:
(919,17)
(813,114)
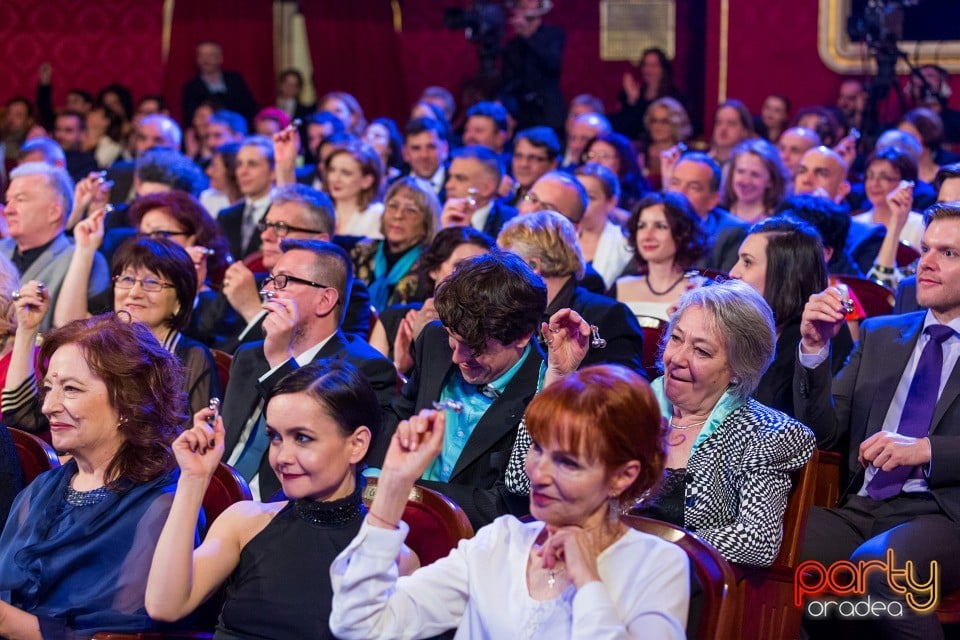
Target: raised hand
(456,213)
(88,234)
(900,201)
(567,336)
(286,146)
(32,302)
(279,328)
(422,317)
(668,162)
(631,88)
(199,449)
(199,255)
(240,288)
(822,318)
(401,344)
(415,444)
(847,149)
(887,450)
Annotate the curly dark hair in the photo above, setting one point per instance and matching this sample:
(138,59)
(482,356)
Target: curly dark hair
(139,375)
(686,228)
(493,296)
(632,183)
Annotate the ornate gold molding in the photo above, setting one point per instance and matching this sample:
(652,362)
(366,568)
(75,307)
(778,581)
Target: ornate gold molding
(628,27)
(724,50)
(842,55)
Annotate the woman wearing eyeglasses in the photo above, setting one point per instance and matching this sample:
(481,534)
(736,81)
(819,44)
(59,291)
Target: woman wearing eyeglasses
(154,283)
(389,267)
(615,152)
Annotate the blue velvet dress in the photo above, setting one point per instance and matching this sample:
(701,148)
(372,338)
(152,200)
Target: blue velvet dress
(82,567)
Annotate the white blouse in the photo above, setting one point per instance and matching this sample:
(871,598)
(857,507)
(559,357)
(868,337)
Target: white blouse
(612,254)
(481,590)
(365,223)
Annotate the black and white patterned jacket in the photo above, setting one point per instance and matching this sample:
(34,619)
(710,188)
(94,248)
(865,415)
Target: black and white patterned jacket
(737,481)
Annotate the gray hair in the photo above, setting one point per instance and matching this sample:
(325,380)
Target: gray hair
(167,126)
(57,179)
(315,204)
(172,168)
(744,321)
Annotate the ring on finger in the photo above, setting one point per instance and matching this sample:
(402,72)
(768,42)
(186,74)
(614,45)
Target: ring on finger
(15,295)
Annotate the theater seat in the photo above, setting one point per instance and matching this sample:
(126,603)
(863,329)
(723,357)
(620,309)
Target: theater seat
(436,522)
(226,487)
(223,360)
(714,607)
(36,456)
(876,300)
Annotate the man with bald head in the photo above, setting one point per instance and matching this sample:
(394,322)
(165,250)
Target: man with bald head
(823,173)
(793,143)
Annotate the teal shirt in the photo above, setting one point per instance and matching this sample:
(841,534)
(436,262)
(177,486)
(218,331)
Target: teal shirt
(461,425)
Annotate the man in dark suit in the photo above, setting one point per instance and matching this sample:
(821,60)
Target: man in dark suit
(255,177)
(298,212)
(426,151)
(472,181)
(697,176)
(535,152)
(309,283)
(484,357)
(894,410)
(225,88)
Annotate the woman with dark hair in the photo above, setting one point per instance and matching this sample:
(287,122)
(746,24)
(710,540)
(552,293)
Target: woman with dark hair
(399,325)
(732,124)
(104,136)
(656,81)
(76,549)
(755,181)
(383,135)
(602,242)
(389,266)
(352,175)
(783,260)
(774,117)
(927,127)
(346,108)
(667,237)
(574,570)
(274,557)
(888,184)
(154,284)
(823,121)
(224,189)
(615,152)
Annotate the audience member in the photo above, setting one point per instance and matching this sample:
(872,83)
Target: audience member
(719,344)
(426,150)
(656,81)
(793,143)
(224,190)
(289,95)
(255,177)
(774,116)
(535,151)
(902,494)
(77,546)
(486,126)
(309,283)
(667,124)
(352,175)
(224,126)
(602,241)
(347,109)
(666,236)
(732,124)
(269,121)
(927,127)
(473,176)
(755,181)
(69,130)
(832,222)
(583,129)
(442,99)
(615,152)
(597,446)
(226,88)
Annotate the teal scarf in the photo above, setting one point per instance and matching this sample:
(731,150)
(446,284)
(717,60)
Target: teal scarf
(727,404)
(382,281)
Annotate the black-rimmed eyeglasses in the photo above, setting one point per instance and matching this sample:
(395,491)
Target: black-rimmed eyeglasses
(281,280)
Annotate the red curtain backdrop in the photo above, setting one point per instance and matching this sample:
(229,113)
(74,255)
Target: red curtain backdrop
(243,28)
(89,45)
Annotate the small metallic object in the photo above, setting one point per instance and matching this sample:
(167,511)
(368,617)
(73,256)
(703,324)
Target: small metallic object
(855,133)
(448,405)
(906,184)
(266,294)
(597,342)
(41,289)
(848,306)
(472,197)
(108,208)
(101,177)
(207,251)
(215,407)
(15,295)
(296,123)
(682,147)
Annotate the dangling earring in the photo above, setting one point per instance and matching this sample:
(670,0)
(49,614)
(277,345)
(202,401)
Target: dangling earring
(613,509)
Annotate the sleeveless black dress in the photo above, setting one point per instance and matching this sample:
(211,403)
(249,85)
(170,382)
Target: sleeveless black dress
(281,587)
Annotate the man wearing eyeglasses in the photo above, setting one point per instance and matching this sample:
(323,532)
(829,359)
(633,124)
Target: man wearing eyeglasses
(304,299)
(535,152)
(298,212)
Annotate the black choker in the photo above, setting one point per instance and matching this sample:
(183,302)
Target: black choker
(335,513)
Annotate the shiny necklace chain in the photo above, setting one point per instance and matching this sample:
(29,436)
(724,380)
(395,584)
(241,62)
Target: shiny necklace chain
(685,427)
(665,291)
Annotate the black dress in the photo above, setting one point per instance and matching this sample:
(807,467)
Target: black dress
(281,587)
(665,502)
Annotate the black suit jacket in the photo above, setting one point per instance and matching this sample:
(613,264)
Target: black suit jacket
(237,98)
(231,223)
(500,214)
(847,410)
(245,391)
(614,321)
(863,243)
(726,233)
(477,481)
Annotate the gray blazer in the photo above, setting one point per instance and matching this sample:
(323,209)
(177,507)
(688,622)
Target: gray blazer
(51,268)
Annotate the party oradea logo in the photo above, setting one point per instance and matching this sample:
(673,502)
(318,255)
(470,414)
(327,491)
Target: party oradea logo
(842,587)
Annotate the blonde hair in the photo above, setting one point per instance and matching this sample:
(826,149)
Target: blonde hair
(679,120)
(549,238)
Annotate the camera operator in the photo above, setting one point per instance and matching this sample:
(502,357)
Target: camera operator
(531,67)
